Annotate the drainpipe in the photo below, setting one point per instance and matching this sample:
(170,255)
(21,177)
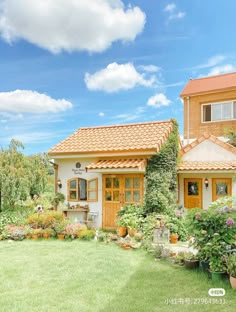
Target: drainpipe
(188,116)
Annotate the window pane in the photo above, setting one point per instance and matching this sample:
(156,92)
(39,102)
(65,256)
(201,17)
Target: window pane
(108,196)
(92,184)
(128,182)
(91,195)
(72,194)
(128,196)
(136,196)
(116,196)
(234,110)
(226,111)
(116,183)
(108,182)
(192,188)
(216,112)
(207,113)
(73,184)
(136,182)
(83,189)
(221,189)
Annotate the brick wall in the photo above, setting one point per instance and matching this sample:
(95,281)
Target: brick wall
(196,127)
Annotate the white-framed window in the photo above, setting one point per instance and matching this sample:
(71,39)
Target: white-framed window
(219,111)
(82,190)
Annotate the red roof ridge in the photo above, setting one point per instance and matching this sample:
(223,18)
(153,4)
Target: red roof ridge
(212,76)
(212,138)
(209,84)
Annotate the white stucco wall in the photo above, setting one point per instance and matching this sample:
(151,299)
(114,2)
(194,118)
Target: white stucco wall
(208,151)
(206,193)
(66,171)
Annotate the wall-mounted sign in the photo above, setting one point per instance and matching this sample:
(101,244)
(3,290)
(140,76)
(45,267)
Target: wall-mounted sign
(78,169)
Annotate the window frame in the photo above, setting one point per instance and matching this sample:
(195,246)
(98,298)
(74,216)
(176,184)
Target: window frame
(95,189)
(233,107)
(77,190)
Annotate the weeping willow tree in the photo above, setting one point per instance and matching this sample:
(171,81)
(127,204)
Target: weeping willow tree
(20,175)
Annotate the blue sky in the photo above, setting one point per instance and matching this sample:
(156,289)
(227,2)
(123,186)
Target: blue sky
(68,64)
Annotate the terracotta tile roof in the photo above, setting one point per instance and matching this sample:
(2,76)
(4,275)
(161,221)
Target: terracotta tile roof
(208,84)
(131,137)
(206,165)
(118,164)
(207,136)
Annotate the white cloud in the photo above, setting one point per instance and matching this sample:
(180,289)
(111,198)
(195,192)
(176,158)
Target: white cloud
(27,101)
(70,25)
(32,138)
(149,68)
(212,61)
(117,77)
(158,100)
(101,114)
(170,7)
(138,113)
(173,12)
(178,15)
(217,70)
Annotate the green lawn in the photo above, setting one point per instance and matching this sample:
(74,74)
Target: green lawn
(80,276)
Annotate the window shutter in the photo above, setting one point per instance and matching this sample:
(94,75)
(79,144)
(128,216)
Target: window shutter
(92,190)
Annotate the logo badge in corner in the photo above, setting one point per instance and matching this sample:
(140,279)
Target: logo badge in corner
(216,292)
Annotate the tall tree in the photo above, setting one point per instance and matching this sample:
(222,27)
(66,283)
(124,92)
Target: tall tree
(20,175)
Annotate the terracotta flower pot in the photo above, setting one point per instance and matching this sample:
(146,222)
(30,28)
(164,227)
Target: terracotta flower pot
(122,231)
(46,235)
(232,281)
(35,236)
(174,238)
(61,236)
(132,232)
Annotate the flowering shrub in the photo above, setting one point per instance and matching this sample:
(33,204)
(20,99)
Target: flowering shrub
(72,229)
(214,231)
(45,220)
(15,232)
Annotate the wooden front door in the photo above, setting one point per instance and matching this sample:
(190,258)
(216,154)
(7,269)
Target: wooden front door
(221,187)
(193,193)
(118,191)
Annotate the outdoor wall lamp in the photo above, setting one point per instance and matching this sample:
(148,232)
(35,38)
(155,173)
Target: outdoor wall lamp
(59,184)
(206,182)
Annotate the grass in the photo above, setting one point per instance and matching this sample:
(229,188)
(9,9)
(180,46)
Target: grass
(63,276)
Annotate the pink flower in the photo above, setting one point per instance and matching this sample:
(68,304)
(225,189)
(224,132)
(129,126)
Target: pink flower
(230,222)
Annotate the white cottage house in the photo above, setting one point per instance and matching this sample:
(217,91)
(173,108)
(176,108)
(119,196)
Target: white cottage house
(103,168)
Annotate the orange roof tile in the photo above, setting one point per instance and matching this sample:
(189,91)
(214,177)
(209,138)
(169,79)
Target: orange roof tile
(130,137)
(206,136)
(118,164)
(208,84)
(206,165)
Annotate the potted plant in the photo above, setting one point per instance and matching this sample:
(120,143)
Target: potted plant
(231,269)
(217,267)
(122,226)
(59,228)
(179,258)
(47,233)
(191,260)
(28,231)
(132,224)
(36,233)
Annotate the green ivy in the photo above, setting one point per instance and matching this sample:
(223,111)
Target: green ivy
(161,176)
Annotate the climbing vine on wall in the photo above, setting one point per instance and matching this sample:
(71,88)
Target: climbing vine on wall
(161,176)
